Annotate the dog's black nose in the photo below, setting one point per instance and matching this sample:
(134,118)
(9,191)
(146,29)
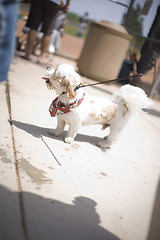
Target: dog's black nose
(48,68)
(46,79)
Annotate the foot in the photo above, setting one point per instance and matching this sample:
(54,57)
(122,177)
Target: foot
(68,140)
(26,57)
(54,133)
(104,145)
(43,61)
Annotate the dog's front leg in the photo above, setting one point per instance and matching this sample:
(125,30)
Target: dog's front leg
(59,129)
(72,132)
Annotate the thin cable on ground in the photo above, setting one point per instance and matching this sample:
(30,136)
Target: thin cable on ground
(61,166)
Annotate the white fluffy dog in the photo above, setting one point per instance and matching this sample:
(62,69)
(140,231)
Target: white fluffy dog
(75,108)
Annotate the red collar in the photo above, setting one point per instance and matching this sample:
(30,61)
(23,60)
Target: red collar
(58,108)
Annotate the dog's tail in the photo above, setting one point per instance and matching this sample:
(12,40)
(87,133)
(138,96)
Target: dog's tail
(134,98)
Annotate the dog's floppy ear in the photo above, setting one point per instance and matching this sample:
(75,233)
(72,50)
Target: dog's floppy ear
(72,83)
(70,90)
(81,83)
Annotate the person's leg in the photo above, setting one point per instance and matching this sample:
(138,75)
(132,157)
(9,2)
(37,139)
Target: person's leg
(8,20)
(30,43)
(50,13)
(45,46)
(34,20)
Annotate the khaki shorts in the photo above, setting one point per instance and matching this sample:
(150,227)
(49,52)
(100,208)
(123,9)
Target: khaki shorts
(45,12)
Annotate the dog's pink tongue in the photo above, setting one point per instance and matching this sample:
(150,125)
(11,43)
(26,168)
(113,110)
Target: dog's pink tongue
(45,78)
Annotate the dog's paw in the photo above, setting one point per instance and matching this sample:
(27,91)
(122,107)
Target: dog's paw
(104,145)
(105,138)
(68,140)
(54,133)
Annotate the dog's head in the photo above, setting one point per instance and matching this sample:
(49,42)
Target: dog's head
(63,79)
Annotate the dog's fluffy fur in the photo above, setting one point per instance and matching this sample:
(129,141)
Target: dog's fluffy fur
(93,110)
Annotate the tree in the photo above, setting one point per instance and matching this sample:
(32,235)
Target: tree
(133,20)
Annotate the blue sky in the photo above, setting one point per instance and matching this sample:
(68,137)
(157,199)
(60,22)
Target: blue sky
(106,10)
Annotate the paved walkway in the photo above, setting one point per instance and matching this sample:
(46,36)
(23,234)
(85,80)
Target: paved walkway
(51,190)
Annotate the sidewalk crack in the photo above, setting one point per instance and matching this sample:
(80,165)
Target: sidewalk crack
(19,187)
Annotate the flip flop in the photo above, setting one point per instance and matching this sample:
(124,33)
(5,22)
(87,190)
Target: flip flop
(25,58)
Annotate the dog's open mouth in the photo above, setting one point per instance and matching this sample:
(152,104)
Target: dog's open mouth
(46,79)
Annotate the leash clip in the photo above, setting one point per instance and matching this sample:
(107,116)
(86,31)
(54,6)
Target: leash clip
(77,87)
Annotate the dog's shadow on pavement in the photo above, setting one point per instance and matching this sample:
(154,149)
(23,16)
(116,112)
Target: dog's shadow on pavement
(38,132)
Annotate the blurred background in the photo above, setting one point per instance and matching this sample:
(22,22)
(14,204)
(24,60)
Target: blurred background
(140,19)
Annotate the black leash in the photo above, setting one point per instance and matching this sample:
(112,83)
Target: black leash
(108,81)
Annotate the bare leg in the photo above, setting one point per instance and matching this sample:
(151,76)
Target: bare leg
(30,42)
(45,45)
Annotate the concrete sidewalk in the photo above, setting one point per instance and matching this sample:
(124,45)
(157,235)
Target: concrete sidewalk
(52,190)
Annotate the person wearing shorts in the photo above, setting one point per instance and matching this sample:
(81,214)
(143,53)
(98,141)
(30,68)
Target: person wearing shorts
(42,12)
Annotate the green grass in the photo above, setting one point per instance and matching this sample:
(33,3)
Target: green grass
(71,30)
